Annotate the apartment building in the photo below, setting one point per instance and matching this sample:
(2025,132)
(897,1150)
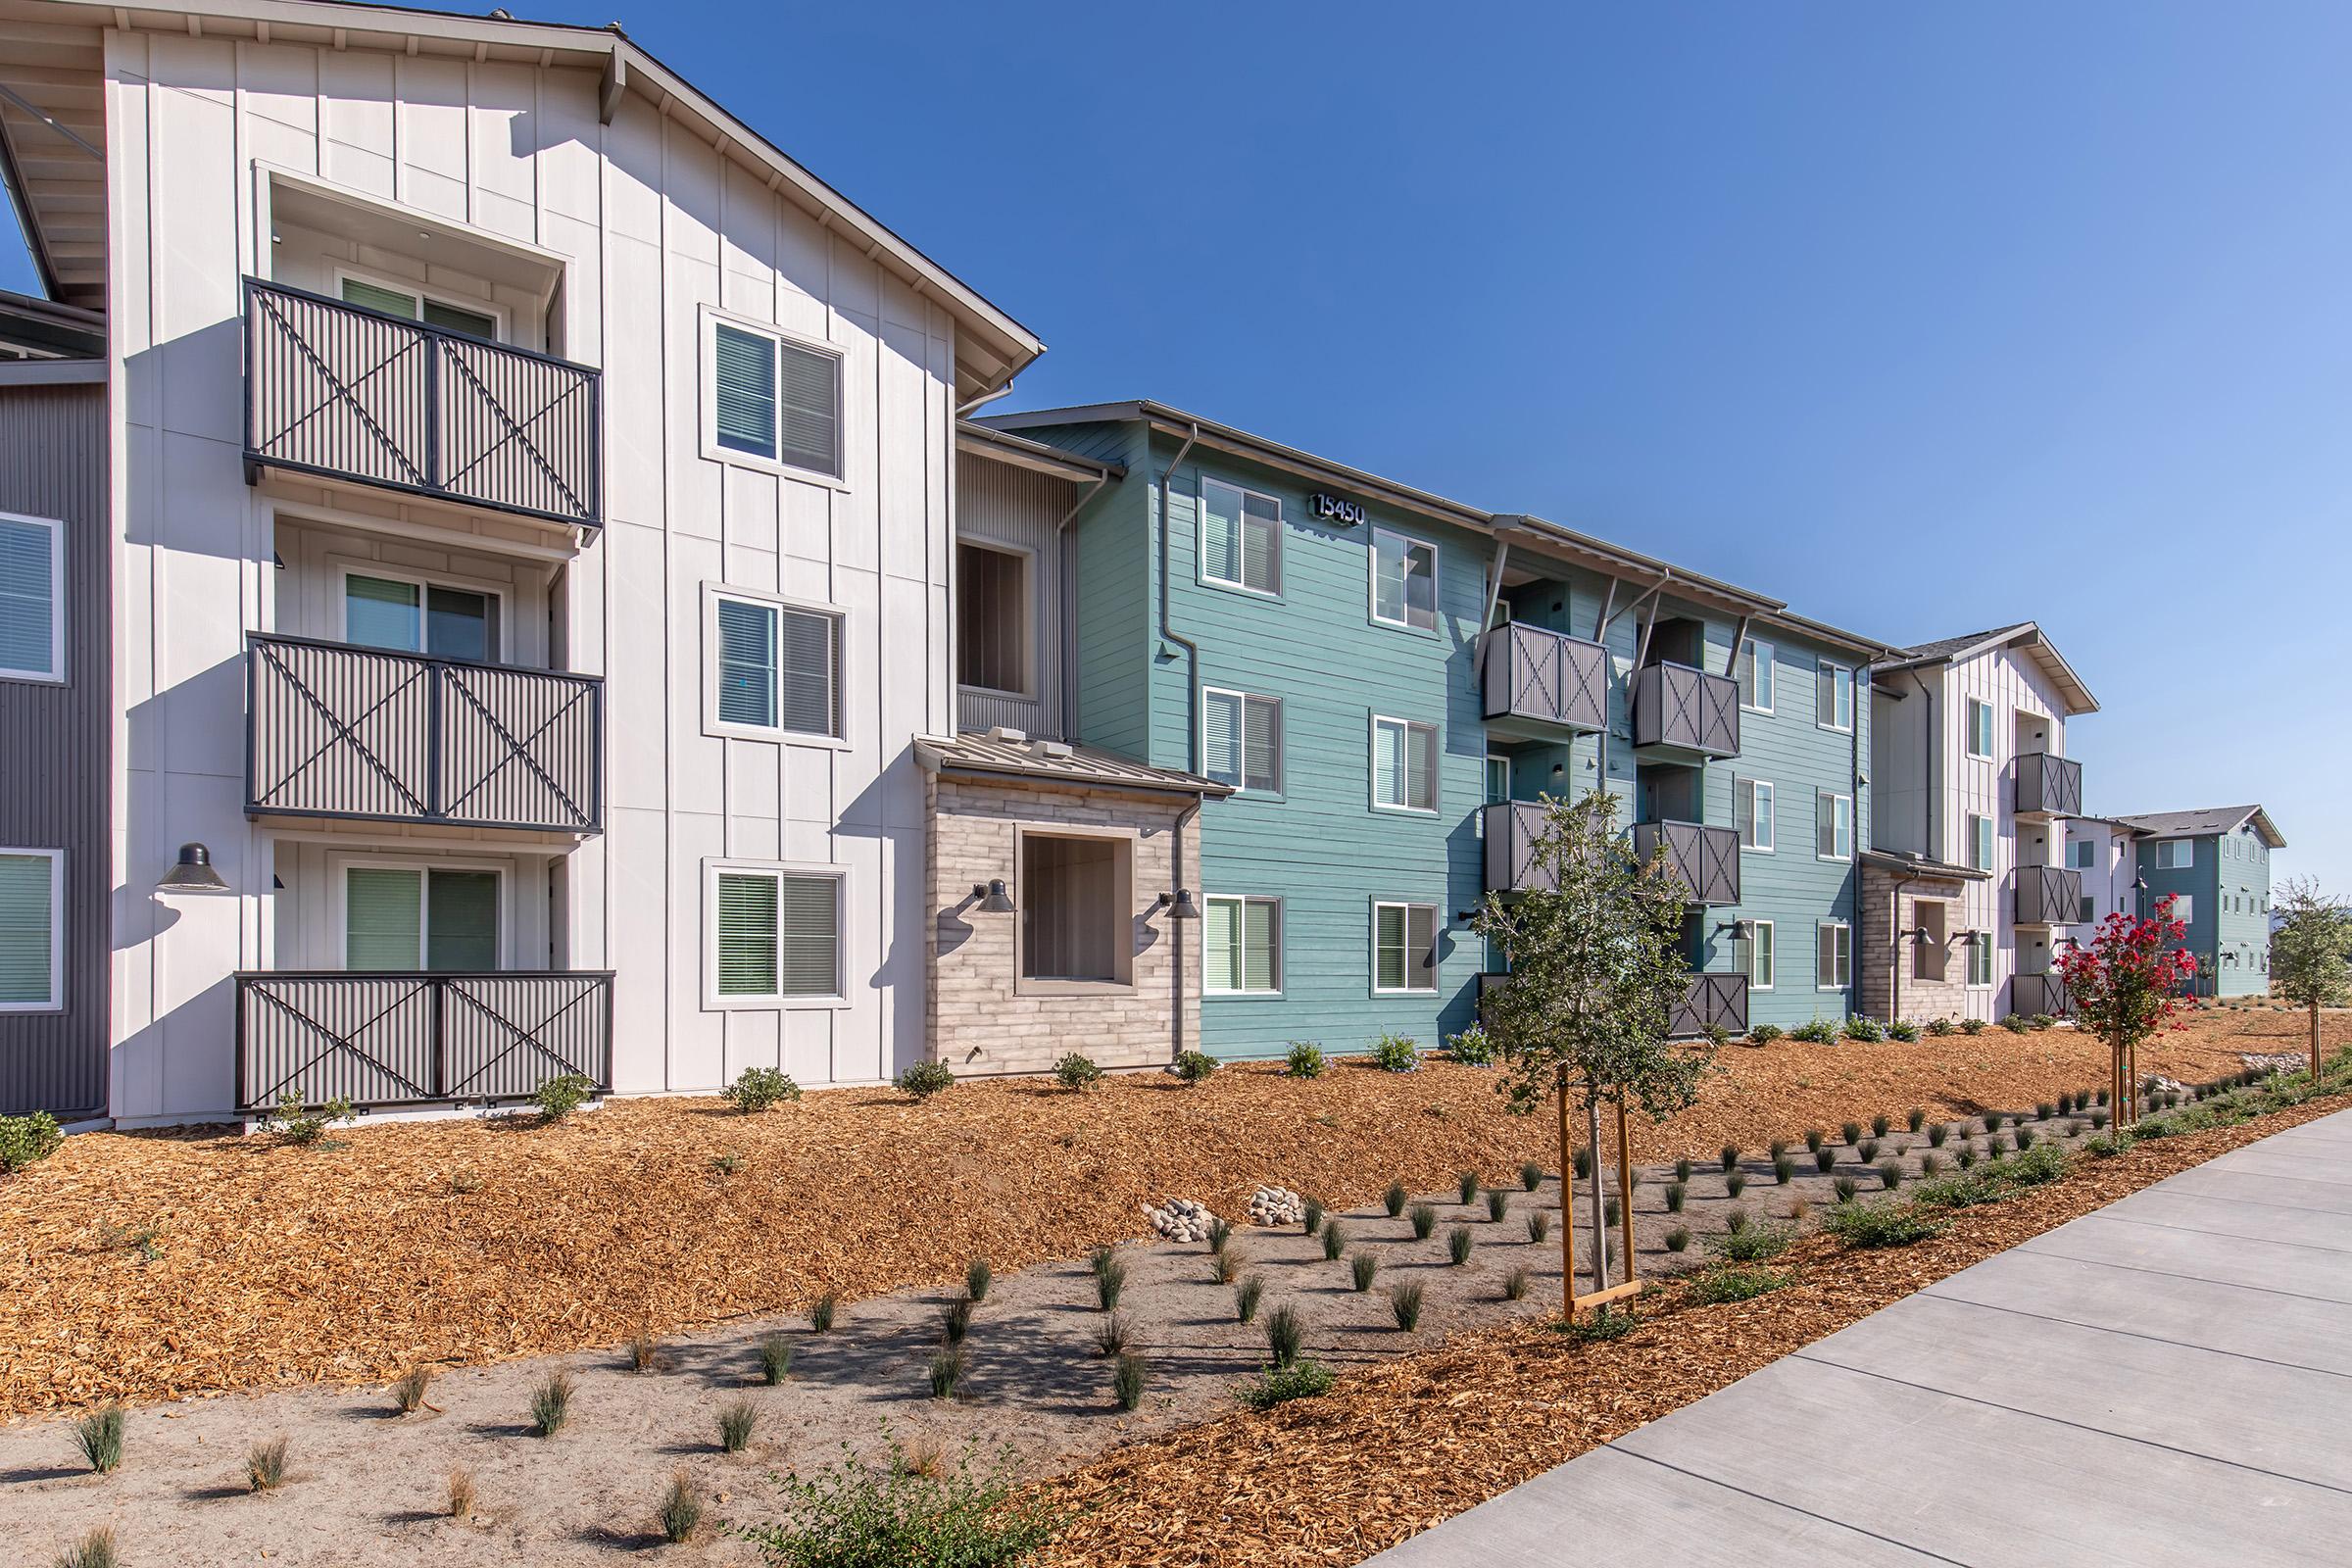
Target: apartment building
(2214,864)
(1964,891)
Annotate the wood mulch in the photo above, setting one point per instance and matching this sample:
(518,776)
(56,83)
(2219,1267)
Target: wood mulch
(143,1266)
(1394,1450)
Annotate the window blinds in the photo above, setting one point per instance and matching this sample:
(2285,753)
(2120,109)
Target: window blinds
(27,597)
(27,952)
(747,934)
(744,375)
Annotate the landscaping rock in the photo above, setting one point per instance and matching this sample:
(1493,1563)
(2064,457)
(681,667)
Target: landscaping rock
(1276,1206)
(1180,1219)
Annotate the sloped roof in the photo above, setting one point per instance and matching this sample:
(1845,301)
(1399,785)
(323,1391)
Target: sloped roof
(1046,762)
(2205,822)
(2025,634)
(1903,863)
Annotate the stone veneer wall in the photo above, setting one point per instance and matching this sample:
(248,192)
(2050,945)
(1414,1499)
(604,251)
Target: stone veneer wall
(981,1022)
(1877,951)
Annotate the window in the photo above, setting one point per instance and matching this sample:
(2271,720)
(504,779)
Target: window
(1076,908)
(1833,825)
(406,917)
(773,399)
(32,597)
(1979,842)
(992,619)
(1835,697)
(1242,740)
(1404,765)
(2184,907)
(775,935)
(1754,672)
(2083,855)
(33,924)
(777,667)
(1499,787)
(1980,729)
(1751,807)
(1240,538)
(419,618)
(1834,955)
(2086,909)
(1930,951)
(1404,581)
(2176,854)
(1979,958)
(1404,947)
(403,302)
(1752,958)
(1243,936)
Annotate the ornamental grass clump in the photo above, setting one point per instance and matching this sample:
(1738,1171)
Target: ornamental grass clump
(1225,1267)
(1286,1335)
(1458,1242)
(1362,1266)
(1825,1159)
(1404,1304)
(1879,1124)
(266,1464)
(956,1320)
(738,1420)
(978,1276)
(1891,1173)
(679,1513)
(1916,1118)
(407,1393)
(1731,1157)
(96,1550)
(1609,1210)
(1499,1205)
(1937,1134)
(1424,1219)
(1465,1184)
(1846,1187)
(1394,1199)
(1538,1225)
(551,1403)
(1867,1150)
(1676,1195)
(1678,1239)
(947,1372)
(99,1437)
(2025,1138)
(776,1359)
(1784,1171)
(1111,1281)
(1850,1134)
(1735,1183)
(821,1310)
(1531,1176)
(1814,1139)
(1514,1284)
(1127,1378)
(1246,1296)
(1681,1171)
(1334,1239)
(1112,1332)
(1310,1215)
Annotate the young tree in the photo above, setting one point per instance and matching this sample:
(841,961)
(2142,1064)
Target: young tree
(1596,970)
(2311,953)
(2126,984)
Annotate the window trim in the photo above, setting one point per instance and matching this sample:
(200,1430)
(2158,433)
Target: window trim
(55,999)
(347,568)
(1281,749)
(1274,960)
(774,1002)
(1372,947)
(777,734)
(1123,950)
(707,373)
(1967,740)
(1773,969)
(1989,832)
(1820,930)
(1201,480)
(1027,690)
(1980,943)
(340,866)
(1486,785)
(1771,797)
(1437,616)
(1437,756)
(56,674)
(502,317)
(1834,798)
(1759,653)
(1853,696)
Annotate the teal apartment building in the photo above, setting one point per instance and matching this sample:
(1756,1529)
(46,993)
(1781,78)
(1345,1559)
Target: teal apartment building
(2215,865)
(1387,681)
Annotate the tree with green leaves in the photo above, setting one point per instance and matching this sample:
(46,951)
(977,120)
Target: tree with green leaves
(2311,953)
(1593,943)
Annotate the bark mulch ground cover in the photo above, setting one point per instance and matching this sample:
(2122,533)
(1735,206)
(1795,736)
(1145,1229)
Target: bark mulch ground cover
(149,1266)
(1393,1451)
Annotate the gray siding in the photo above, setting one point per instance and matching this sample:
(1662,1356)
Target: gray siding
(54,738)
(999,503)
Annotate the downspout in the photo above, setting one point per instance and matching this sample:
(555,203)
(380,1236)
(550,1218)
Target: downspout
(965,411)
(1176,886)
(1168,631)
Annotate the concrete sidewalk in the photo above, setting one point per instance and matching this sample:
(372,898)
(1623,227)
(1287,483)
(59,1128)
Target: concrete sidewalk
(2166,1381)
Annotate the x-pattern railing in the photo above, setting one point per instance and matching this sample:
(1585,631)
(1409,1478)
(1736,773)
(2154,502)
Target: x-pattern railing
(1678,705)
(532,1038)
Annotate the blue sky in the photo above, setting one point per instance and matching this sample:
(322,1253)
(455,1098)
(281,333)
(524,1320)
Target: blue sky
(1922,318)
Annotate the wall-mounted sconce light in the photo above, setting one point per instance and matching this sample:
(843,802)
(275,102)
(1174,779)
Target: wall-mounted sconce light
(1739,930)
(1180,905)
(193,873)
(991,895)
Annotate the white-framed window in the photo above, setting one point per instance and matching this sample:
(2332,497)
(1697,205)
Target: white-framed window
(1832,955)
(1753,958)
(32,930)
(472,317)
(772,935)
(774,666)
(995,645)
(409,612)
(2184,906)
(1981,833)
(1833,696)
(1404,581)
(1979,958)
(1075,888)
(404,916)
(1755,673)
(1833,825)
(771,399)
(1404,765)
(1404,948)
(1499,787)
(2083,855)
(1240,938)
(1241,740)
(2176,854)
(1980,729)
(1240,538)
(32,597)
(2087,908)
(1752,813)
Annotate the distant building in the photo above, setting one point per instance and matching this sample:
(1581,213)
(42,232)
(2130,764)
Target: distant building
(2214,864)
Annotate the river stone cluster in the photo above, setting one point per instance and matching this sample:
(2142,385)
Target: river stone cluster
(1180,1219)
(1276,1206)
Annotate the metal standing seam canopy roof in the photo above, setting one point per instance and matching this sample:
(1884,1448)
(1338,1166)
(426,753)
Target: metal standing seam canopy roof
(1043,761)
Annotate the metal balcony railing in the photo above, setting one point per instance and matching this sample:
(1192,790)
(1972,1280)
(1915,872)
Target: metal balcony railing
(2048,786)
(2044,994)
(1511,829)
(1544,678)
(349,393)
(1705,859)
(1717,1001)
(1686,708)
(2047,895)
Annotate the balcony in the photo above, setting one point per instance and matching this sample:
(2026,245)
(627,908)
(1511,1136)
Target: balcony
(1710,1001)
(2047,787)
(412,1039)
(1511,829)
(1539,683)
(2047,895)
(1706,859)
(342,392)
(2044,994)
(333,730)
(1686,711)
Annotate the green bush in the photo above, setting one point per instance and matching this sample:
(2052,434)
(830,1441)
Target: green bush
(1394,1199)
(301,1125)
(1764,1034)
(1817,1032)
(99,1437)
(1902,1029)
(1300,1380)
(558,1098)
(2014,1024)
(25,1140)
(2001,1178)
(759,1089)
(1075,1072)
(1395,1053)
(1286,1335)
(1971,1026)
(2040,1021)
(1473,1048)
(1865,1225)
(1939,1026)
(920,1080)
(850,1513)
(679,1513)
(1727,1282)
(1752,1244)
(1866,1029)
(1306,1060)
(1196,1066)
(1127,1378)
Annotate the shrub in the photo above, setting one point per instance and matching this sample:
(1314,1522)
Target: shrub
(853,1512)
(920,1080)
(1676,1195)
(1881,1125)
(1609,1210)
(1334,1239)
(1538,1225)
(99,1437)
(1424,1218)
(1404,1304)
(551,1403)
(2045,1111)
(2040,1021)
(1458,1242)
(1752,1244)
(1473,1048)
(2106,1145)
(1514,1284)
(409,1393)
(1869,1225)
(1865,1029)
(461,1493)
(1728,1283)
(1902,1029)
(1196,1066)
(1814,1139)
(1715,1034)
(1930,1164)
(775,1359)
(96,1550)
(1825,1159)
(1300,1380)
(1678,1239)
(1127,1375)
(759,1089)
(1992,1121)
(738,1419)
(727,1164)
(1891,1173)
(1286,1334)
(1310,1215)
(1997,1180)
(266,1464)
(679,1513)
(1499,1205)
(1395,1053)
(1965,1156)
(1531,1175)
(1937,1134)
(1867,1150)
(1681,1171)
(1394,1199)
(1764,1034)
(1939,1026)
(2014,1024)
(1076,1072)
(947,1371)
(26,1140)
(1362,1267)
(1971,1026)
(1112,1332)
(556,1098)
(2025,1138)
(956,1320)
(1784,1171)
(1850,1133)
(1466,1184)
(1817,1032)
(1111,1279)
(977,1277)
(1735,1183)
(1305,1059)
(1846,1187)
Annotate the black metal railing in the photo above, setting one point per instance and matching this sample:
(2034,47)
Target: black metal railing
(1705,859)
(1545,677)
(1689,709)
(382,1038)
(1710,1001)
(2048,786)
(2044,994)
(2048,895)
(349,393)
(334,730)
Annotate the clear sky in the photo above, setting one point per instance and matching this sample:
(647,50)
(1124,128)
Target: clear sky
(1924,318)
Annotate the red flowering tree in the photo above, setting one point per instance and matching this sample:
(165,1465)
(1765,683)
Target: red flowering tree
(2126,984)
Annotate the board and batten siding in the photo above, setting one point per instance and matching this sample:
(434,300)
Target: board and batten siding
(1977,785)
(653,224)
(54,736)
(1020,509)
